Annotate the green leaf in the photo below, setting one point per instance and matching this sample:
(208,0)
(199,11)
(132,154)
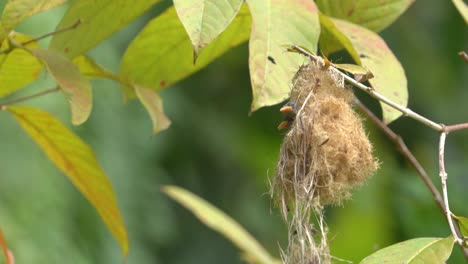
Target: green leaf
(331,38)
(18,67)
(463,224)
(153,104)
(204,20)
(274,25)
(418,250)
(462,8)
(16,11)
(164,42)
(374,15)
(9,259)
(220,222)
(351,68)
(374,54)
(89,68)
(76,88)
(99,20)
(76,160)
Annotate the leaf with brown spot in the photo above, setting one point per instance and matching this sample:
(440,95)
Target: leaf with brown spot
(204,20)
(77,161)
(153,104)
(274,25)
(76,88)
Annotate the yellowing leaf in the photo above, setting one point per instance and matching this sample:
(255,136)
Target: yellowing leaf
(153,104)
(6,252)
(276,24)
(16,11)
(374,54)
(76,88)
(220,222)
(204,20)
(18,67)
(89,68)
(99,20)
(76,160)
(374,15)
(414,251)
(462,8)
(164,42)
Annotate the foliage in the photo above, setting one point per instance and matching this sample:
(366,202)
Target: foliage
(174,45)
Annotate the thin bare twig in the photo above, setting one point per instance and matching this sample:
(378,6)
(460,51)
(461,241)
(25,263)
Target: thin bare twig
(443,177)
(25,98)
(405,151)
(401,146)
(72,26)
(456,127)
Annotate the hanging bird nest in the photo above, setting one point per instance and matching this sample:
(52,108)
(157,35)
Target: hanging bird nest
(324,156)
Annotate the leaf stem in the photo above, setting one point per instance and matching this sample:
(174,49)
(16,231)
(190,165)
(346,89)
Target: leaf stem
(443,177)
(29,97)
(20,45)
(72,26)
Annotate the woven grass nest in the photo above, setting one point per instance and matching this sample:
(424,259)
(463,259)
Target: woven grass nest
(324,156)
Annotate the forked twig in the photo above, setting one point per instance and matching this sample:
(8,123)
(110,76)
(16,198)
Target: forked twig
(442,202)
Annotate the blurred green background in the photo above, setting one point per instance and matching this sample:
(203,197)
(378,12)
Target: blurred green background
(217,151)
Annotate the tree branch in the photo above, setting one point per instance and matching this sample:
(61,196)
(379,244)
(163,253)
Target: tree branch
(443,177)
(29,97)
(401,146)
(72,26)
(456,127)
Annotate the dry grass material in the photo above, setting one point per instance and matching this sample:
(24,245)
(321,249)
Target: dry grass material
(325,155)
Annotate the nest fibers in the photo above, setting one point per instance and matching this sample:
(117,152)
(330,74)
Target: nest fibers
(325,154)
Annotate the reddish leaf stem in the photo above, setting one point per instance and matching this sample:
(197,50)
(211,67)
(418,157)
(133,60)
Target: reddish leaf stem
(456,127)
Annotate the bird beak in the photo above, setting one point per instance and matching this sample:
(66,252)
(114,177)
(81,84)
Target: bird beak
(284,124)
(286,109)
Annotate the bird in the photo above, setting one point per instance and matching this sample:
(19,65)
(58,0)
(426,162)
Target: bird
(289,111)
